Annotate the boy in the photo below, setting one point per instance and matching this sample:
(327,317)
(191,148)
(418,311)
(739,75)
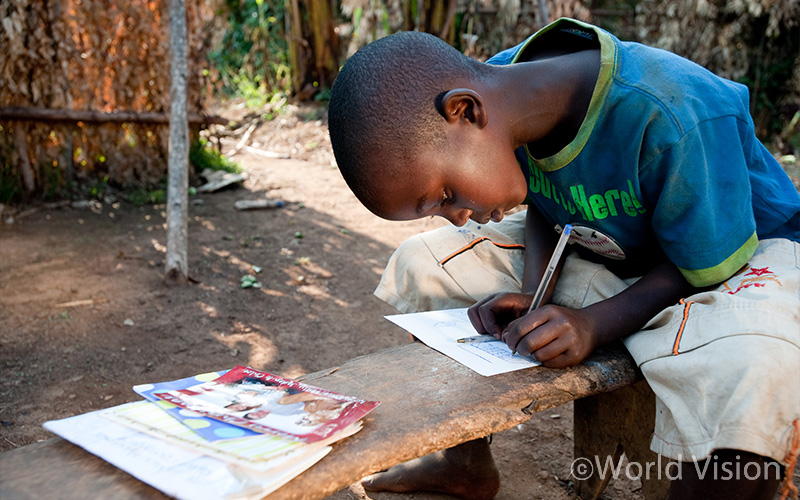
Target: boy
(655,162)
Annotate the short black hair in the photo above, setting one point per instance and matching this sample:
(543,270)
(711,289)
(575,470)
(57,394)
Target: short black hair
(385,101)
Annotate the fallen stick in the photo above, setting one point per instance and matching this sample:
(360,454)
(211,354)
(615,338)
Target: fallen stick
(46,206)
(267,154)
(243,142)
(83,302)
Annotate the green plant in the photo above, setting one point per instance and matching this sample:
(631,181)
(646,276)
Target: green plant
(10,183)
(52,180)
(203,155)
(96,188)
(251,59)
(146,196)
(323,95)
(10,177)
(248,281)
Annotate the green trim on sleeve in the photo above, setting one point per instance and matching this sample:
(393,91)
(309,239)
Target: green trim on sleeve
(723,270)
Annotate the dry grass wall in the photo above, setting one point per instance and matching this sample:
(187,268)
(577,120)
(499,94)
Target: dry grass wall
(91,55)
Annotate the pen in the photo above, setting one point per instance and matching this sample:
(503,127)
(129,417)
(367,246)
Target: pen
(551,268)
(477,339)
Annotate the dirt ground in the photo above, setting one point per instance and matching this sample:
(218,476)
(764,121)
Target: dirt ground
(85,314)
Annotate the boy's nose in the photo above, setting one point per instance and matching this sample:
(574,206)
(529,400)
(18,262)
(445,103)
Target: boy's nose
(458,217)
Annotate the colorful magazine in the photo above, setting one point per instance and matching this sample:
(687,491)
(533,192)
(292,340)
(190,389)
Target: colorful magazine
(209,428)
(267,403)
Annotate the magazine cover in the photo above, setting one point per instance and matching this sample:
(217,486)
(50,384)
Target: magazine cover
(210,429)
(267,403)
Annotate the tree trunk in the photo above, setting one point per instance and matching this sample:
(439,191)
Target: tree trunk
(297,44)
(313,46)
(326,46)
(448,32)
(438,18)
(178,168)
(409,16)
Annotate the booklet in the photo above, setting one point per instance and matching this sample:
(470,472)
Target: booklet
(267,403)
(260,452)
(176,470)
(257,452)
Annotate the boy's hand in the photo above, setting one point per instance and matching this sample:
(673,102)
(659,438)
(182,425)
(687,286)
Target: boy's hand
(556,336)
(492,315)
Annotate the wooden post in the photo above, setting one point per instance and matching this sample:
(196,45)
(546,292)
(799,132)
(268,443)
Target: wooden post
(608,424)
(178,169)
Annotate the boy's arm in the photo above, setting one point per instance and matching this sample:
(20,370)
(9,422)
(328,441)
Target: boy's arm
(540,241)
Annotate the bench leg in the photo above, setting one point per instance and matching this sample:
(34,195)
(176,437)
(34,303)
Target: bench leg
(608,424)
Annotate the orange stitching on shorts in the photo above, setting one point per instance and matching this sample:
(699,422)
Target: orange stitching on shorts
(677,344)
(474,242)
(791,459)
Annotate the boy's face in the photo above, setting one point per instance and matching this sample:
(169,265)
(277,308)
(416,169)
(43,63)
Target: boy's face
(479,180)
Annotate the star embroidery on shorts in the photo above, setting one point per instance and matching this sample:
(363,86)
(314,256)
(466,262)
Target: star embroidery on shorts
(758,278)
(758,271)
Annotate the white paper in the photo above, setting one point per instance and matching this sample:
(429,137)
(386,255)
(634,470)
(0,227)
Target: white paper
(174,470)
(441,329)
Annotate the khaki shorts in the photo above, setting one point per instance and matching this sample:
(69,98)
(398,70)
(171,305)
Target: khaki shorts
(724,364)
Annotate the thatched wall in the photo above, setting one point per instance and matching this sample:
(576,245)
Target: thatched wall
(756,42)
(93,55)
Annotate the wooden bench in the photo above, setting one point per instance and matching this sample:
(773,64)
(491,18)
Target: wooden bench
(429,402)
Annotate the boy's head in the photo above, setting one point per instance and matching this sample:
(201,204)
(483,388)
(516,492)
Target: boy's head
(384,107)
(410,135)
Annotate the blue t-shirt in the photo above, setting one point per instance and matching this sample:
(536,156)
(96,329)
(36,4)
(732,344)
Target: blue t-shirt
(665,164)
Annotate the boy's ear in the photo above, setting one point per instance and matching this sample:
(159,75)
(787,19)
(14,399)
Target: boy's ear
(464,104)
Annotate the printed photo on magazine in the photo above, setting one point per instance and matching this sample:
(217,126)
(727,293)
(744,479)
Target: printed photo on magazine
(267,403)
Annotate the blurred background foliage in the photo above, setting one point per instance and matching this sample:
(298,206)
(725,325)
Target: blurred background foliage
(95,55)
(251,57)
